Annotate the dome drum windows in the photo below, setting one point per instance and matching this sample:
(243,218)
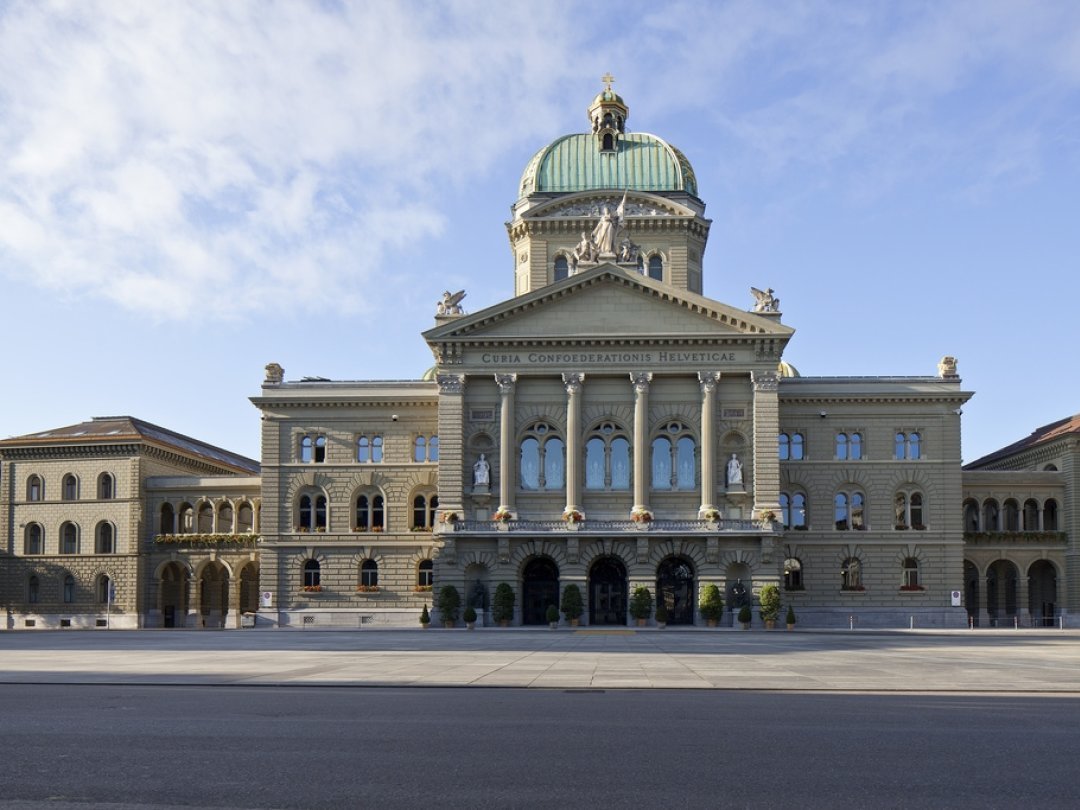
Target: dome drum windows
(674,458)
(542,459)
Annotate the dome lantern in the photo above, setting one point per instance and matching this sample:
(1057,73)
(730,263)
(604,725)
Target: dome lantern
(608,114)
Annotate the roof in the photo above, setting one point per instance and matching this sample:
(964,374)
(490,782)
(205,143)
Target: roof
(1047,433)
(114,429)
(642,162)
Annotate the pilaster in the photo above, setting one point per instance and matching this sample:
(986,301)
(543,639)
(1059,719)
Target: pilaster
(766,438)
(451,441)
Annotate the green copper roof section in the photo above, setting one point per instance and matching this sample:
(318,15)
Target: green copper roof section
(642,162)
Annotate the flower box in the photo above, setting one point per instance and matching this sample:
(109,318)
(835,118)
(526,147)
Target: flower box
(312,588)
(367,588)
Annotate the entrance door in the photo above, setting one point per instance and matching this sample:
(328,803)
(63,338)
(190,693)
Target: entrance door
(540,588)
(675,585)
(607,592)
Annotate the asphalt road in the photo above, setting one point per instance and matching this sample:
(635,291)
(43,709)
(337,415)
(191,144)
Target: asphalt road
(67,745)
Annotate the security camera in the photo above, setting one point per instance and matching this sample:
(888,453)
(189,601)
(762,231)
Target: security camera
(823,414)
(393,418)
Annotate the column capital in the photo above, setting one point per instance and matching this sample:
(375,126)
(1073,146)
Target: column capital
(506,383)
(708,380)
(450,383)
(573,382)
(765,380)
(641,380)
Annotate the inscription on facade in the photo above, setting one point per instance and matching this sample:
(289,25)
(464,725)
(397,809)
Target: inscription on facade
(606,358)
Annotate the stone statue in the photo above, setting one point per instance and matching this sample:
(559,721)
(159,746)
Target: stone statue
(478,596)
(450,303)
(603,235)
(764,300)
(585,251)
(481,472)
(274,373)
(739,597)
(734,471)
(628,251)
(947,367)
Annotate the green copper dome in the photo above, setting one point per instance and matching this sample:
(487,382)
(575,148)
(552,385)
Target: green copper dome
(640,162)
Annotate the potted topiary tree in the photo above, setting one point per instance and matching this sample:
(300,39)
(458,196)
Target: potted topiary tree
(425,618)
(449,605)
(641,604)
(502,604)
(769,601)
(790,619)
(553,617)
(711,605)
(745,617)
(470,617)
(661,615)
(572,605)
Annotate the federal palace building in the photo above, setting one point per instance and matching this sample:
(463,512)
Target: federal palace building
(607,426)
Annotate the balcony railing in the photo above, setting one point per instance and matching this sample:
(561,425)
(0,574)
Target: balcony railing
(614,526)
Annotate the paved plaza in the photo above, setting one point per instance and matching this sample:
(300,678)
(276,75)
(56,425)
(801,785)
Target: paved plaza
(1024,661)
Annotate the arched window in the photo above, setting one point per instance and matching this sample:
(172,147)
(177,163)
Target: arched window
(35,488)
(70,488)
(187,518)
(33,590)
(225,518)
(1050,468)
(793,510)
(369,574)
(313,449)
(69,538)
(369,449)
(1050,515)
(562,268)
(425,574)
(370,512)
(433,448)
(797,446)
(908,446)
(320,449)
(784,446)
(245,518)
(793,574)
(851,574)
(104,589)
(307,447)
(312,512)
(34,539)
(69,589)
(674,458)
(848,446)
(312,574)
(167,524)
(106,487)
(841,446)
(971,516)
(426,448)
(206,518)
(1012,515)
(910,579)
(542,458)
(607,458)
(656,267)
(425,506)
(850,511)
(991,516)
(1031,515)
(908,510)
(105,539)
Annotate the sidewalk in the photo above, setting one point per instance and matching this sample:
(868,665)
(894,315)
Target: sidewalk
(1024,661)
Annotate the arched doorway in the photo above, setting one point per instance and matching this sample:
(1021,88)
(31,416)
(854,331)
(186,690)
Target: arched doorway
(675,586)
(539,588)
(1042,593)
(173,595)
(249,588)
(213,595)
(1001,579)
(971,592)
(607,591)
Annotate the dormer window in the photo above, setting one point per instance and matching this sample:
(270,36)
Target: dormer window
(609,143)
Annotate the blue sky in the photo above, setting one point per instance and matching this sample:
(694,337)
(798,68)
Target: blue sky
(189,191)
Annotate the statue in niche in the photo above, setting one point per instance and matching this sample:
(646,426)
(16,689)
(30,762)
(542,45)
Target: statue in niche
(734,471)
(603,235)
(481,472)
(764,300)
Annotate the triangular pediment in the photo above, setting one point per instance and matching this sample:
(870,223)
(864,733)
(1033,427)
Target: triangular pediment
(608,303)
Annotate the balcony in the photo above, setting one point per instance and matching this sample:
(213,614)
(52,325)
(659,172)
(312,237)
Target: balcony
(610,527)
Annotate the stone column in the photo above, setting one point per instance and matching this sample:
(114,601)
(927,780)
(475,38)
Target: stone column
(507,467)
(766,438)
(573,383)
(708,380)
(640,381)
(451,441)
